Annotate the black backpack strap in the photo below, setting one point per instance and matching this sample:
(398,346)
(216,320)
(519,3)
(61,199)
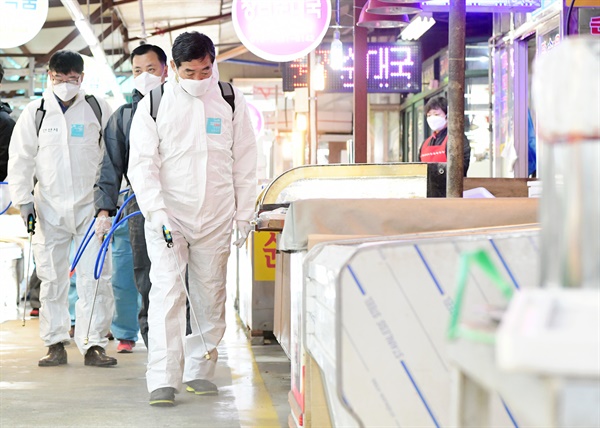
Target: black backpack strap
(228,94)
(93,102)
(155,97)
(39,117)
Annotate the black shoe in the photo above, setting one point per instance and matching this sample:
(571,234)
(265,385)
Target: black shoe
(96,356)
(56,356)
(202,387)
(163,397)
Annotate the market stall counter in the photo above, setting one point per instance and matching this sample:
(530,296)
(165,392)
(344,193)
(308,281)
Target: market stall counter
(258,262)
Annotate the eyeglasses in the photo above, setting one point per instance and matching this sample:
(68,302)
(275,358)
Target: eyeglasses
(72,79)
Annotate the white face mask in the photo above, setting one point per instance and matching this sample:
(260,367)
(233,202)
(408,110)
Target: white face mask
(436,122)
(65,91)
(195,88)
(145,82)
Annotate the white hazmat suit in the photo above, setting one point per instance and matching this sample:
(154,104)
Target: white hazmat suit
(64,158)
(195,170)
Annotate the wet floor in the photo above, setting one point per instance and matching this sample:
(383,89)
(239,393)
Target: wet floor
(253,385)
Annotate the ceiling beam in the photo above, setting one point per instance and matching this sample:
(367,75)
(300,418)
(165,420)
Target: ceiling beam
(38,56)
(120,61)
(94,17)
(232,53)
(58,24)
(107,52)
(58,3)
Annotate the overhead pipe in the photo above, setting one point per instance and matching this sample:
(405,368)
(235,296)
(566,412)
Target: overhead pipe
(143,36)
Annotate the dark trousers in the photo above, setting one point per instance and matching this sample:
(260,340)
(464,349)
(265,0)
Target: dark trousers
(141,264)
(34,290)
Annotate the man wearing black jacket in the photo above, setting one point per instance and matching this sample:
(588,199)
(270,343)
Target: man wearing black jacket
(149,66)
(6,127)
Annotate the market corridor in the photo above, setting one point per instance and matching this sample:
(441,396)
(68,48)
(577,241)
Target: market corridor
(253,384)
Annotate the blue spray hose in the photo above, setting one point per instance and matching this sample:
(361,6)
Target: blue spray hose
(9,204)
(86,239)
(84,243)
(118,216)
(104,247)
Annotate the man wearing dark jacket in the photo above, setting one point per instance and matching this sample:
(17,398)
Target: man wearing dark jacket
(6,127)
(149,66)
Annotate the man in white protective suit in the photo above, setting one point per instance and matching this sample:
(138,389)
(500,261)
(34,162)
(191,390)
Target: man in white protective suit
(193,170)
(58,138)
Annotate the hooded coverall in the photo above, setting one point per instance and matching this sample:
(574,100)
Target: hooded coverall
(197,164)
(64,158)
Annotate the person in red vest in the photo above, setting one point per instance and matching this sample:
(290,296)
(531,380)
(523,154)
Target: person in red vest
(434,148)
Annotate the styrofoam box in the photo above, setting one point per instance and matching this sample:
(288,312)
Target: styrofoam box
(554,331)
(10,254)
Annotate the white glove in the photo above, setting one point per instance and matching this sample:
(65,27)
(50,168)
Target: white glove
(102,225)
(158,219)
(26,211)
(244,228)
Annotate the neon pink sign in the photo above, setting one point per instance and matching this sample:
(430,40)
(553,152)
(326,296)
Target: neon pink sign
(281,30)
(256,117)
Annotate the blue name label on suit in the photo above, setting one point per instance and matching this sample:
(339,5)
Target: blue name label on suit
(213,126)
(76,130)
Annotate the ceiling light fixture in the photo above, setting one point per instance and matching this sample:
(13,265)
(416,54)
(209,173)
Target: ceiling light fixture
(417,27)
(383,8)
(373,20)
(336,52)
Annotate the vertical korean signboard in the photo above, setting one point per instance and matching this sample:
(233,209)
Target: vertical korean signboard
(21,21)
(281,30)
(265,246)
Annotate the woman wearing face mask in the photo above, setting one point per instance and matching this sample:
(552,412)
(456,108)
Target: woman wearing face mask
(434,148)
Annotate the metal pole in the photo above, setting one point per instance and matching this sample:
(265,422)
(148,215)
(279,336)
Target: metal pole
(361,99)
(456,98)
(312,114)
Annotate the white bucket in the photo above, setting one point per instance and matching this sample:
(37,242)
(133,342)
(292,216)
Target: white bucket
(10,254)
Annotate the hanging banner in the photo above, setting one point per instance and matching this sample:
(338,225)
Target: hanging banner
(281,30)
(21,21)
